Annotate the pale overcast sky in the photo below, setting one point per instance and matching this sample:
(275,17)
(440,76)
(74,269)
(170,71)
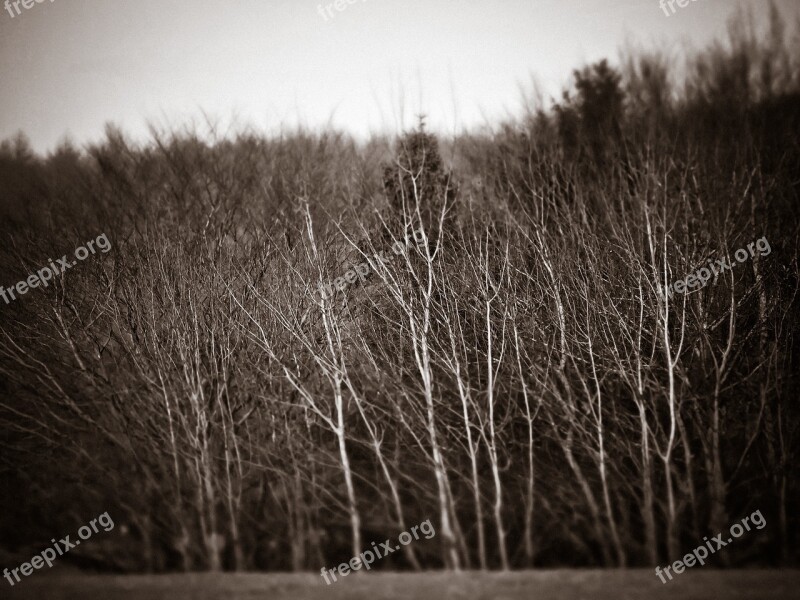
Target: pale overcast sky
(69,66)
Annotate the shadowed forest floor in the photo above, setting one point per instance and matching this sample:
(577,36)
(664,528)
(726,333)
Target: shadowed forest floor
(556,585)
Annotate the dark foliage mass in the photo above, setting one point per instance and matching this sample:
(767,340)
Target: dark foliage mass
(520,376)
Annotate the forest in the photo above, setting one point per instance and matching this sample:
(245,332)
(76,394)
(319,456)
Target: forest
(516,370)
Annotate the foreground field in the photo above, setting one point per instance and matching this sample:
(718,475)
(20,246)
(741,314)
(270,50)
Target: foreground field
(547,585)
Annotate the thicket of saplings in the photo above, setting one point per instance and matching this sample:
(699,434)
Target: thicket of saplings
(518,373)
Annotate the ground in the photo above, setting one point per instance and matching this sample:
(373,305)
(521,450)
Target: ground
(707,584)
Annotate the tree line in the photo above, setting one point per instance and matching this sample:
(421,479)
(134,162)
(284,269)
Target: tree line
(520,374)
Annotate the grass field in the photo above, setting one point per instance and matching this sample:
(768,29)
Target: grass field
(556,585)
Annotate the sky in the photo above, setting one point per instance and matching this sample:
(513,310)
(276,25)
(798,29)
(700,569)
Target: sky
(68,67)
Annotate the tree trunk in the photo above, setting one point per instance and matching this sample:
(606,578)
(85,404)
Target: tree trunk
(648,515)
(355,519)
